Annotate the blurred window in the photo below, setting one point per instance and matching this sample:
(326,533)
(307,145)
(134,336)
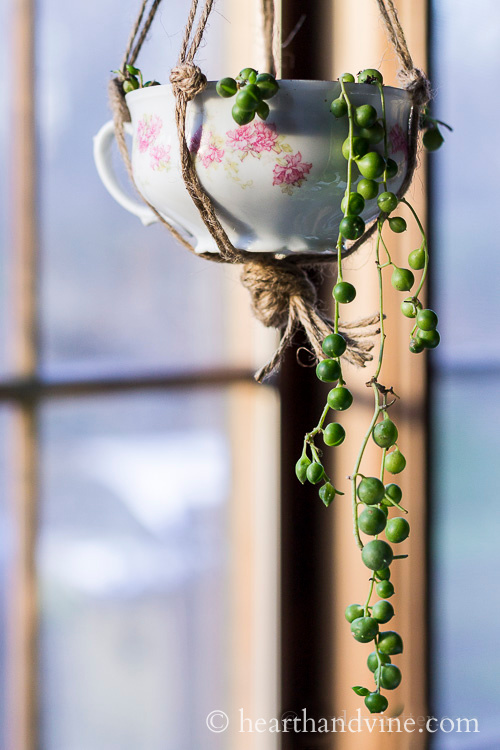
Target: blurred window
(125,497)
(465,374)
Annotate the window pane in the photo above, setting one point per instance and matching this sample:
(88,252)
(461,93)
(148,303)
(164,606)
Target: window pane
(466,404)
(467,258)
(5,206)
(158,568)
(114,294)
(465,551)
(6,553)
(133,562)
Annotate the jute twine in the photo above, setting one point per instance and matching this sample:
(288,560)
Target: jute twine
(283,293)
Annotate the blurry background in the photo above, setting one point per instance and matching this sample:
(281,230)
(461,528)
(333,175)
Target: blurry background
(146,525)
(465,373)
(149,468)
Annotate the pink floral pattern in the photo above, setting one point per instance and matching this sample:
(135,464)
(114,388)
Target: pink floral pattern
(265,137)
(256,140)
(148,132)
(207,147)
(398,140)
(211,154)
(240,137)
(253,139)
(160,156)
(290,172)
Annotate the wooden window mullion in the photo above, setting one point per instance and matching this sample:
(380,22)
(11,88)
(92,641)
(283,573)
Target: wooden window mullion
(23,651)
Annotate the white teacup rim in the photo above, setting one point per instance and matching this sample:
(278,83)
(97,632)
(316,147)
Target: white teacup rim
(394,91)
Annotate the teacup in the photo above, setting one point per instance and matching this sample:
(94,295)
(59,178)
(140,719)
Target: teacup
(276,185)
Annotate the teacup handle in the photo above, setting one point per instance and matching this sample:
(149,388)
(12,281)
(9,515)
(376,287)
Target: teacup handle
(104,163)
(102,157)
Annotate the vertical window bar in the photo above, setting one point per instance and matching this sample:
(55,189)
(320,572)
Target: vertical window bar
(306,526)
(22,730)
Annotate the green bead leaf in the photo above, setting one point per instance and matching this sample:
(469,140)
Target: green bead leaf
(327,493)
(361,690)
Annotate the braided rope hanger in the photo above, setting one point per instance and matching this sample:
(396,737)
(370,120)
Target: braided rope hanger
(283,293)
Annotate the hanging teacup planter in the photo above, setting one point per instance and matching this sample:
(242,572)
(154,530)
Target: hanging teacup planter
(276,184)
(287,176)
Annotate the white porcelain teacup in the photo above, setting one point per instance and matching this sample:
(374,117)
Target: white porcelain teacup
(276,184)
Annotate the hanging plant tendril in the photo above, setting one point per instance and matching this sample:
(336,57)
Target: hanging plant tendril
(371,499)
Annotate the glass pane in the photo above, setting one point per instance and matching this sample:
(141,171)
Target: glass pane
(466,404)
(133,561)
(5,124)
(465,525)
(467,258)
(114,295)
(6,551)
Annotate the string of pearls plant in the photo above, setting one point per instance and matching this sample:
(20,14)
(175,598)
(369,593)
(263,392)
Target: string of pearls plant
(371,499)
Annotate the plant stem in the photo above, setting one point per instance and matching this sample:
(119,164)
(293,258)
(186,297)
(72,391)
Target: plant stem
(381,301)
(355,473)
(310,435)
(350,116)
(384,121)
(382,467)
(389,263)
(346,195)
(378,407)
(379,664)
(424,245)
(370,592)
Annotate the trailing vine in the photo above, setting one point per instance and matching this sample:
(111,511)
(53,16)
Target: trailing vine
(371,499)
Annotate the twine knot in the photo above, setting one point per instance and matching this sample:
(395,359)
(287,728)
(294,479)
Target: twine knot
(272,288)
(285,297)
(416,82)
(189,79)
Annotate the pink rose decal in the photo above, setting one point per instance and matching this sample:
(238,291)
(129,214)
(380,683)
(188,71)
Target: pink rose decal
(290,171)
(148,130)
(240,138)
(253,139)
(160,156)
(210,154)
(264,137)
(209,151)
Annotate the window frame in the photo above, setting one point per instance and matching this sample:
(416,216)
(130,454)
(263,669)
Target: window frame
(27,390)
(308,578)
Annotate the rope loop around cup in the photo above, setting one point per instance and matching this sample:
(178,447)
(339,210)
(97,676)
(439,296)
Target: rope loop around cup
(417,84)
(189,79)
